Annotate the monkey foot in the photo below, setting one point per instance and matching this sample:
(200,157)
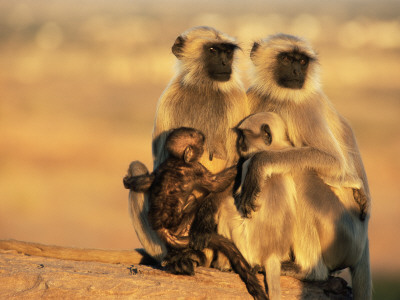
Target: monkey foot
(183,262)
(337,288)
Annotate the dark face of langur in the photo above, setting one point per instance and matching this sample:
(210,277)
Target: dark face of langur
(218,60)
(291,70)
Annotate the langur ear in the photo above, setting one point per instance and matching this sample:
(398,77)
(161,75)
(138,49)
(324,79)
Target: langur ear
(266,134)
(256,45)
(177,48)
(241,143)
(188,154)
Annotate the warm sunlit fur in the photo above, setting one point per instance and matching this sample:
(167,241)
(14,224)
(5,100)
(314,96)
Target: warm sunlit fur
(266,237)
(268,50)
(190,66)
(192,99)
(328,234)
(325,129)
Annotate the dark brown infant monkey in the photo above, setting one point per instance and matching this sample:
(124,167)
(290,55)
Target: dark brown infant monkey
(181,193)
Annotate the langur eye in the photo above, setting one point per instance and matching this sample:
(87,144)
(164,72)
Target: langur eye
(286,59)
(303,62)
(212,50)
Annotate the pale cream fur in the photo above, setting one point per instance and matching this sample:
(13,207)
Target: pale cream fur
(263,73)
(328,234)
(264,84)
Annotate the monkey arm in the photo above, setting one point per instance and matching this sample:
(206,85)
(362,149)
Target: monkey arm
(161,129)
(158,147)
(219,182)
(354,153)
(204,224)
(361,195)
(139,183)
(263,164)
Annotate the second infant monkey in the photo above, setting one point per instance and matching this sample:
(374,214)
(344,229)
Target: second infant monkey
(178,189)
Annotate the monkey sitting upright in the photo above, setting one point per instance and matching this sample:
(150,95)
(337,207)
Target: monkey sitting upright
(329,234)
(268,234)
(255,135)
(178,189)
(266,238)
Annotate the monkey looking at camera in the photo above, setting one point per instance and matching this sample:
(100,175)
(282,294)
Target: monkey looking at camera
(205,93)
(178,189)
(324,162)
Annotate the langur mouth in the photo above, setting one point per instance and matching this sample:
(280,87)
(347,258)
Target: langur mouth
(292,83)
(223,76)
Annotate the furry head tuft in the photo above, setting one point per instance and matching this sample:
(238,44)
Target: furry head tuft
(264,56)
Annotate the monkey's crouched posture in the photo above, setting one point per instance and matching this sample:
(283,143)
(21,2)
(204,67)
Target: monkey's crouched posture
(325,164)
(180,190)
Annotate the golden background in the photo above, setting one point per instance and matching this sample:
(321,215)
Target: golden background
(79,83)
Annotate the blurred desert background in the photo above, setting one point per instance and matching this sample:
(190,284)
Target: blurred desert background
(79,83)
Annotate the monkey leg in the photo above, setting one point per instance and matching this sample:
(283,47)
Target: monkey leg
(273,274)
(361,277)
(204,224)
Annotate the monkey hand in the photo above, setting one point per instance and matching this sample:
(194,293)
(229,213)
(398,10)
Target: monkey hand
(132,182)
(140,183)
(245,206)
(127,181)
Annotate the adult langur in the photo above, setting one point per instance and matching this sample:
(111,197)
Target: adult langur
(205,93)
(324,162)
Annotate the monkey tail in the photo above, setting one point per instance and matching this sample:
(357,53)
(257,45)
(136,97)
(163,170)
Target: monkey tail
(239,264)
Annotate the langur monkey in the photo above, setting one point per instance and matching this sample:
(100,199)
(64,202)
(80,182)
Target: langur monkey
(265,238)
(206,93)
(173,206)
(324,162)
(274,205)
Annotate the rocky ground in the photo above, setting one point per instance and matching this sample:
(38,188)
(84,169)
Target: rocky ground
(26,277)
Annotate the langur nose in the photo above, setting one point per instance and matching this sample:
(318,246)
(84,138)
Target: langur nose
(296,71)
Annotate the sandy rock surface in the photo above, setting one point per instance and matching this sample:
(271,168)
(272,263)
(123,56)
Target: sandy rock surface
(28,277)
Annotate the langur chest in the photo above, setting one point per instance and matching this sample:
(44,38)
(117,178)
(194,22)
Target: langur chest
(305,121)
(194,109)
(304,125)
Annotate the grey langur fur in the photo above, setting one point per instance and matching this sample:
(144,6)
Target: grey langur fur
(203,95)
(324,162)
